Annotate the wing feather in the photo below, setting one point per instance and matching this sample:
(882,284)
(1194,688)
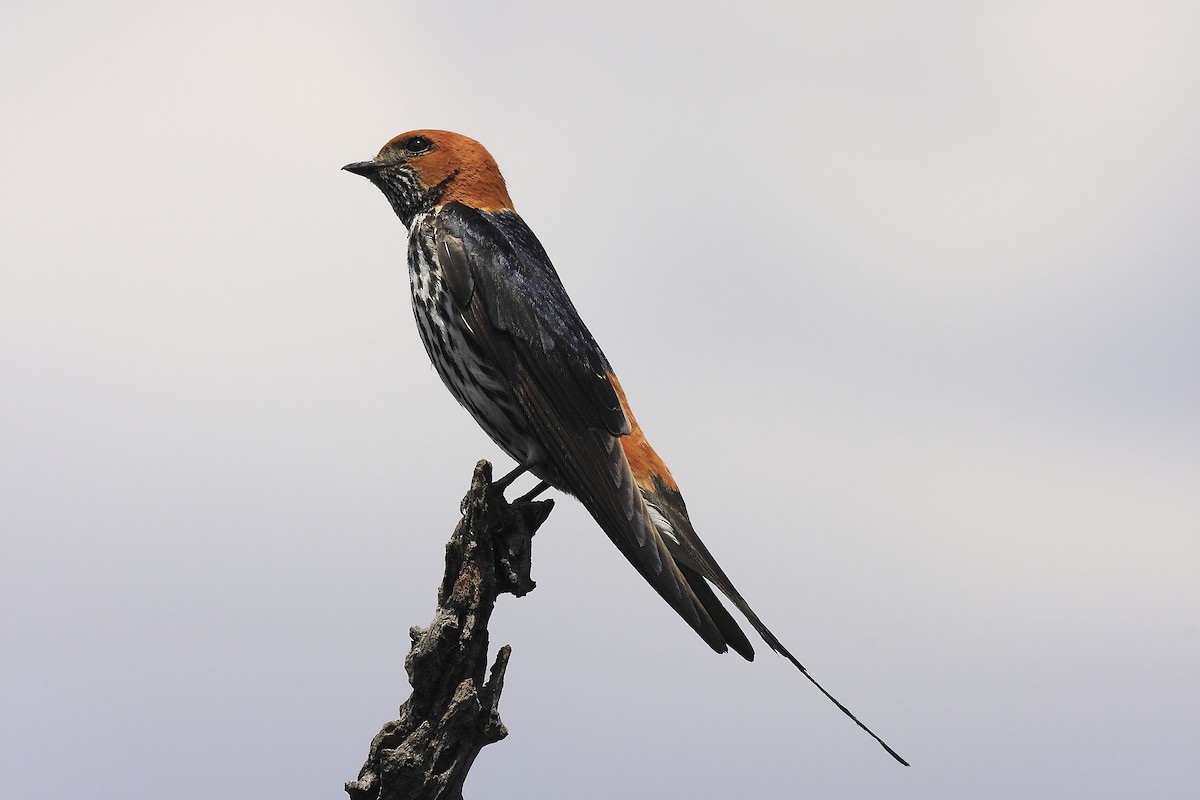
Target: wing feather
(498,256)
(516,307)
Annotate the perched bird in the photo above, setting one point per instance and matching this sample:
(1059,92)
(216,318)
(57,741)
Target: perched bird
(508,343)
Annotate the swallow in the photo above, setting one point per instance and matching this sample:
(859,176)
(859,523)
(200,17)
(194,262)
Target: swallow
(507,341)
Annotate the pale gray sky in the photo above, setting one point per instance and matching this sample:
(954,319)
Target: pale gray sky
(907,295)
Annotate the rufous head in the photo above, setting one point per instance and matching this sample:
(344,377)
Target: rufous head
(423,169)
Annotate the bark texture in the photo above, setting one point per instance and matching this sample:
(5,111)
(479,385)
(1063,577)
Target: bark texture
(453,712)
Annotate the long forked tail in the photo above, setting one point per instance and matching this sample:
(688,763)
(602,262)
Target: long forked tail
(686,556)
(698,565)
(778,647)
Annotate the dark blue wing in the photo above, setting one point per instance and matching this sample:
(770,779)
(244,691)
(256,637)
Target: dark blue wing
(527,328)
(496,259)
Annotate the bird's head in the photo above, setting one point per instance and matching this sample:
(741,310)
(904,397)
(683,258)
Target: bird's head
(420,170)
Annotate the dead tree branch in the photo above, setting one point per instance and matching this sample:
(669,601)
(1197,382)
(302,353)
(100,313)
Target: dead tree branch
(453,713)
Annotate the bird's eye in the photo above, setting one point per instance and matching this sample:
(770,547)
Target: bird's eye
(417,144)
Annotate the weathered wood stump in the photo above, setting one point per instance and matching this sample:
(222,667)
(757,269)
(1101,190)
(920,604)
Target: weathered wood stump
(453,712)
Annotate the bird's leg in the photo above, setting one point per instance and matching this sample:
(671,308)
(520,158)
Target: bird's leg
(534,492)
(504,482)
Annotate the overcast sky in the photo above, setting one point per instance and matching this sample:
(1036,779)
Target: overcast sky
(907,295)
